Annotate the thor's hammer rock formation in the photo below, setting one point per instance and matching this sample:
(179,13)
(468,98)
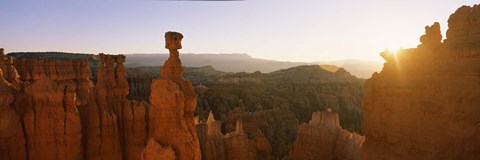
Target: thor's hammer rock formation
(173,103)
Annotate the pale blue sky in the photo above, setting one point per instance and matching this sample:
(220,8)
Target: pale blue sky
(287,30)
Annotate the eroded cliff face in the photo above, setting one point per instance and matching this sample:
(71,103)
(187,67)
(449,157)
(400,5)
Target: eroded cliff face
(424,102)
(12,139)
(324,138)
(45,105)
(57,88)
(53,107)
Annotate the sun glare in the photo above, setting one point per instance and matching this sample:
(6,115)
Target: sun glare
(394,48)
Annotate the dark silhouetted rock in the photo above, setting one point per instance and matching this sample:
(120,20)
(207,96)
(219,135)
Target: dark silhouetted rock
(424,103)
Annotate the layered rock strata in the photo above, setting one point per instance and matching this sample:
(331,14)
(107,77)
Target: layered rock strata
(424,102)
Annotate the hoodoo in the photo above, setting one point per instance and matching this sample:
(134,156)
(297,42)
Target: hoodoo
(173,103)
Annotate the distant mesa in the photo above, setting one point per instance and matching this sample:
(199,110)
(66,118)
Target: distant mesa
(246,63)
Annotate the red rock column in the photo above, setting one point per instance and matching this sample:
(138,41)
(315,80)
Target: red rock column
(173,103)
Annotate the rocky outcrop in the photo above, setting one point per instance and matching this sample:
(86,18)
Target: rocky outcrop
(99,108)
(245,139)
(45,103)
(238,146)
(273,130)
(173,103)
(463,27)
(433,35)
(211,139)
(250,133)
(154,151)
(324,138)
(424,102)
(103,118)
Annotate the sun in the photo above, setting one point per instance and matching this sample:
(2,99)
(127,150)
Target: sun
(391,53)
(393,48)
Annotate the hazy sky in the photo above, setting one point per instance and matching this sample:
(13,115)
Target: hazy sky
(288,30)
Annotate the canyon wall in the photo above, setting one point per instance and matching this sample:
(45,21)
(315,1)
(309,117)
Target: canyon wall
(75,106)
(324,138)
(424,104)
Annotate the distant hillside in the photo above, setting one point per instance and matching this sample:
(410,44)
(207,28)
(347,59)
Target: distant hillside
(246,63)
(359,68)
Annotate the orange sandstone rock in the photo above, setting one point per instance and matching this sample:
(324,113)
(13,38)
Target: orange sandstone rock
(154,151)
(173,102)
(12,140)
(324,138)
(211,139)
(238,146)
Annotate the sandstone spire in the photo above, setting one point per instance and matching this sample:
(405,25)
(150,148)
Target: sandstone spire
(174,100)
(210,118)
(239,127)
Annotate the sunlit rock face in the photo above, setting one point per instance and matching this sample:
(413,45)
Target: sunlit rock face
(173,103)
(65,116)
(324,138)
(424,104)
